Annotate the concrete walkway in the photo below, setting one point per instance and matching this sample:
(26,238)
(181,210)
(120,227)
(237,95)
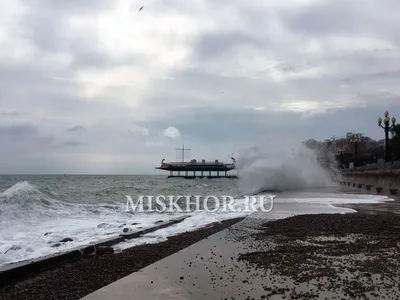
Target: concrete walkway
(206,270)
(209,269)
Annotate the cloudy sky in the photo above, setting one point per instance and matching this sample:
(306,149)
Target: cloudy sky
(95,86)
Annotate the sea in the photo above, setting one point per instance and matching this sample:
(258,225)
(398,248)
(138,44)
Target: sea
(38,211)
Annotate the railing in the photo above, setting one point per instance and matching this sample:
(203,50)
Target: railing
(208,163)
(385,166)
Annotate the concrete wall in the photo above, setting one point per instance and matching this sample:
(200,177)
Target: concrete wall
(386,181)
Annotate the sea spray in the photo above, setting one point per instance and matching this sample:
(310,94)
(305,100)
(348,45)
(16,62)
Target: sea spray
(264,170)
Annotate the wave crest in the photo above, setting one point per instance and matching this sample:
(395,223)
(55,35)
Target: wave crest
(268,171)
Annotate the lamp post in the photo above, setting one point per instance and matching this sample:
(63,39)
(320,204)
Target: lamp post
(355,141)
(387,127)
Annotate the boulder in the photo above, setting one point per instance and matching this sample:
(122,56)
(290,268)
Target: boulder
(13,248)
(101,250)
(126,230)
(65,240)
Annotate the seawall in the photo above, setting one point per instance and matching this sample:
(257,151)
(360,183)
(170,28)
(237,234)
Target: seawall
(384,181)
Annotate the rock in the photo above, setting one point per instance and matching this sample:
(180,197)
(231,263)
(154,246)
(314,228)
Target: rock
(126,230)
(65,240)
(102,225)
(13,248)
(89,250)
(56,245)
(104,250)
(47,233)
(135,223)
(158,222)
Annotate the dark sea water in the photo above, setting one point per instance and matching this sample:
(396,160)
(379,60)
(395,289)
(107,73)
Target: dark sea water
(36,211)
(114,188)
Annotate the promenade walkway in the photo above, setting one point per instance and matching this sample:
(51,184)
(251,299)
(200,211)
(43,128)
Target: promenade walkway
(210,268)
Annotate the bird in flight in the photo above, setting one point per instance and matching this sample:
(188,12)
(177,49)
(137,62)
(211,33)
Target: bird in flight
(141,8)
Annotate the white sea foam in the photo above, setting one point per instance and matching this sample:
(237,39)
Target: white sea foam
(284,206)
(32,221)
(27,215)
(261,170)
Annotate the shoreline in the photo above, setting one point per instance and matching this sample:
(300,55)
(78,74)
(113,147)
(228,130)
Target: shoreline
(78,278)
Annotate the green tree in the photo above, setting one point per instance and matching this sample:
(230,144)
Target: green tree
(395,142)
(396,132)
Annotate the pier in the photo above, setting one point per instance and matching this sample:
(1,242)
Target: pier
(194,169)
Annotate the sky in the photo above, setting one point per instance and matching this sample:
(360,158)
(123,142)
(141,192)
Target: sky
(97,86)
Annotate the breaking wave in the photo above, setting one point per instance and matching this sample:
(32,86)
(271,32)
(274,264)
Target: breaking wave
(267,171)
(26,203)
(34,221)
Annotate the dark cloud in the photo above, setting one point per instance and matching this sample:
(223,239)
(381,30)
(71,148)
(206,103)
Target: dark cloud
(214,45)
(195,87)
(71,7)
(250,72)
(46,24)
(76,128)
(18,130)
(327,17)
(9,114)
(369,18)
(50,94)
(227,125)
(72,143)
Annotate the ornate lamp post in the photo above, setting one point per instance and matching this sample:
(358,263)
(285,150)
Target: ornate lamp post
(355,141)
(387,127)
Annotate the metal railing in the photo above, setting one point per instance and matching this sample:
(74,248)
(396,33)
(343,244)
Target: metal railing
(385,166)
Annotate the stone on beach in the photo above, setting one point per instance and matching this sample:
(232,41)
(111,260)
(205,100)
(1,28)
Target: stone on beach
(100,250)
(65,240)
(13,248)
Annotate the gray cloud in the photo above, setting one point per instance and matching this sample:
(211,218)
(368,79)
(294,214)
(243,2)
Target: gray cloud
(71,143)
(76,128)
(226,74)
(18,129)
(214,45)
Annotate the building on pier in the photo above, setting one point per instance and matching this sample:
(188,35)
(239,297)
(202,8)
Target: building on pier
(201,169)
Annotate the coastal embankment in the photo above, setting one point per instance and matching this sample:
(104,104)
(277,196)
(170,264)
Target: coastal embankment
(381,181)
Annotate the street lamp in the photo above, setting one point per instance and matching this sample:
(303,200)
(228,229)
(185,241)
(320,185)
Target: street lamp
(387,127)
(355,141)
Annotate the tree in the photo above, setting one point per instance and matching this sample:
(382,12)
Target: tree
(396,131)
(312,144)
(395,142)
